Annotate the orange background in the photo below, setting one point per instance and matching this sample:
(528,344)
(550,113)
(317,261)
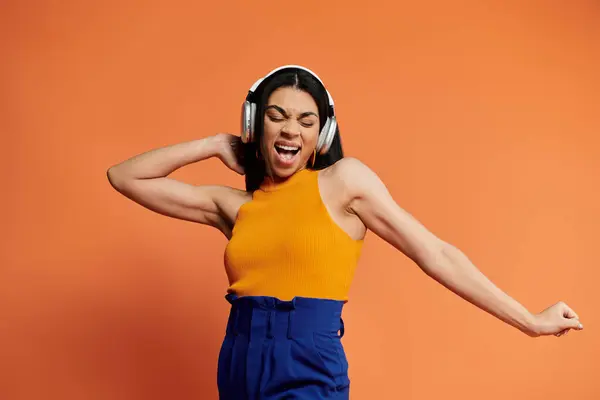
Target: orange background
(481,117)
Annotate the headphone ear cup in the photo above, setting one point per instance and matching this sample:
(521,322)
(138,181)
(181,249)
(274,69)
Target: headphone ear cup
(252,121)
(326,136)
(322,135)
(246,122)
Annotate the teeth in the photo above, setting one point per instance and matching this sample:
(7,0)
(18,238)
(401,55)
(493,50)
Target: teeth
(289,148)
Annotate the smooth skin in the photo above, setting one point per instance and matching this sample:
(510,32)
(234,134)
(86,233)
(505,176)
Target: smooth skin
(355,197)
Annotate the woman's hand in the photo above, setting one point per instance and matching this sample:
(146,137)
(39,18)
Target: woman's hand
(556,320)
(230,151)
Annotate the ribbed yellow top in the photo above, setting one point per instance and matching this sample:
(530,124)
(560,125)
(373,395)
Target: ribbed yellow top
(285,244)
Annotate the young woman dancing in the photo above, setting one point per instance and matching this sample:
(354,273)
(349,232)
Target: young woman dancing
(295,236)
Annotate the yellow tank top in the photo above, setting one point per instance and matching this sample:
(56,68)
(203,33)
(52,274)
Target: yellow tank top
(285,244)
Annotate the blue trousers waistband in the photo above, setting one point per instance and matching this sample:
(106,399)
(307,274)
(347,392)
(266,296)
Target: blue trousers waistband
(264,316)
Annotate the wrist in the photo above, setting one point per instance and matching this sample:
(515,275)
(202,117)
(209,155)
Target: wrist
(531,325)
(215,145)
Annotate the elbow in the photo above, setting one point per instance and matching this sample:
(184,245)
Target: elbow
(116,178)
(112,177)
(437,258)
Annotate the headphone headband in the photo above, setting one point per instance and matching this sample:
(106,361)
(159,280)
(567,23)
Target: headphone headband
(291,66)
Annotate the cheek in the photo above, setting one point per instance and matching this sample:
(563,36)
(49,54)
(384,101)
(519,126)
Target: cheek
(270,131)
(311,136)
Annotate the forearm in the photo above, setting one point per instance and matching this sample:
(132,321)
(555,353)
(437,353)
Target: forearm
(163,161)
(455,271)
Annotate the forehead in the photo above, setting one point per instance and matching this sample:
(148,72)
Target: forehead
(291,99)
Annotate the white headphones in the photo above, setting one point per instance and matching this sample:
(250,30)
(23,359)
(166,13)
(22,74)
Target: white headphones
(249,114)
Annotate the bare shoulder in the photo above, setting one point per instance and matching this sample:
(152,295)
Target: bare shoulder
(345,169)
(352,176)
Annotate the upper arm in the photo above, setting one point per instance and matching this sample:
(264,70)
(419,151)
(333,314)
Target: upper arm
(371,201)
(210,205)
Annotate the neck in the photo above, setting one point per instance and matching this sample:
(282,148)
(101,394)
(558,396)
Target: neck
(276,179)
(273,182)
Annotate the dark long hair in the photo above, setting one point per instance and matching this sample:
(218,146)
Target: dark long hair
(255,169)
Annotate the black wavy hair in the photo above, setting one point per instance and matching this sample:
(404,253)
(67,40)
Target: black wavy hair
(255,169)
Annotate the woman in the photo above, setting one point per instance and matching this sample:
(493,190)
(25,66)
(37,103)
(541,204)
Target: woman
(295,236)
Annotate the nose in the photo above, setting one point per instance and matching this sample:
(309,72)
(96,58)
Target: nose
(291,128)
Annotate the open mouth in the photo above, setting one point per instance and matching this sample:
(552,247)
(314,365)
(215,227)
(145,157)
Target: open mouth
(287,153)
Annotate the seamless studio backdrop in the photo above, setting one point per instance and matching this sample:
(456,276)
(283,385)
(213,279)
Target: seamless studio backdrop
(482,118)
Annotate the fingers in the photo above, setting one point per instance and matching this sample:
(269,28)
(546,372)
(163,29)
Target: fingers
(561,333)
(572,323)
(238,168)
(568,312)
(567,319)
(575,324)
(571,317)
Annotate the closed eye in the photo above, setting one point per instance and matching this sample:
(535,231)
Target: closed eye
(275,119)
(307,124)
(278,114)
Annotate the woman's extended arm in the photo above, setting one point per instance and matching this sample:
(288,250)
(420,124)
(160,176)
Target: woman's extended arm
(372,203)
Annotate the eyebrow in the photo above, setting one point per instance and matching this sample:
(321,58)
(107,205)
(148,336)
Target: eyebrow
(282,111)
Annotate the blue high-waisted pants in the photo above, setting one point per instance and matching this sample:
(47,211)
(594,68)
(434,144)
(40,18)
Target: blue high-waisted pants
(276,350)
